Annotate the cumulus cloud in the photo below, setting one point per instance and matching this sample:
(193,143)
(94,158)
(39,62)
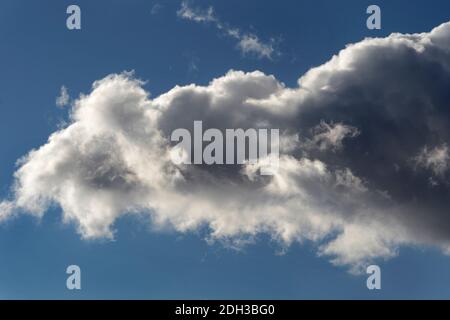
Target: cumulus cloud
(355,195)
(247,43)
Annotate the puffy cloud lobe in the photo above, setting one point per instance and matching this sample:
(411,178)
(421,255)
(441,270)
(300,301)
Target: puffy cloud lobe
(356,194)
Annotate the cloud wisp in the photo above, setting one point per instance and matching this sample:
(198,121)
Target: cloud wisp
(360,138)
(247,43)
(63,99)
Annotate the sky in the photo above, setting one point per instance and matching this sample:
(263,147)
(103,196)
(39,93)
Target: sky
(167,46)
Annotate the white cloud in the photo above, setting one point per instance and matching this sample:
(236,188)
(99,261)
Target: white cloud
(63,98)
(251,44)
(156,8)
(186,12)
(331,136)
(113,158)
(247,43)
(6,210)
(437,159)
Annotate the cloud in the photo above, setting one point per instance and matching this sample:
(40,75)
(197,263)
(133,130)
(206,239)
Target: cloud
(437,159)
(6,210)
(250,43)
(63,99)
(355,196)
(331,136)
(247,43)
(186,12)
(156,8)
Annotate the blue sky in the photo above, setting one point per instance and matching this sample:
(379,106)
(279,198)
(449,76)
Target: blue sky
(38,55)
